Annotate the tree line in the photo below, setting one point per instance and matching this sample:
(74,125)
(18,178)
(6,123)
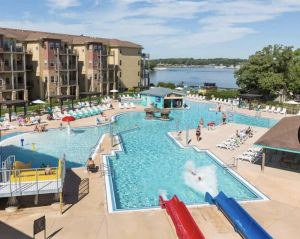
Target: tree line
(195,62)
(271,71)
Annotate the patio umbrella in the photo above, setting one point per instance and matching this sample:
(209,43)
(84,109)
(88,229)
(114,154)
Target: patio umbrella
(179,88)
(68,119)
(291,102)
(114,91)
(39,102)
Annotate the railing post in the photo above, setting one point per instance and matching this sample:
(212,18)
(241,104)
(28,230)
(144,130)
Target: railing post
(9,174)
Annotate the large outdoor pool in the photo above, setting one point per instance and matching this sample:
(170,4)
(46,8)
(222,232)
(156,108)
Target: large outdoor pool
(151,162)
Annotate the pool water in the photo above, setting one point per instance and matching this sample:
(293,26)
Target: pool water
(151,162)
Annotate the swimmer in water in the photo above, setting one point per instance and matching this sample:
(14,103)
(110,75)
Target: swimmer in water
(192,172)
(199,178)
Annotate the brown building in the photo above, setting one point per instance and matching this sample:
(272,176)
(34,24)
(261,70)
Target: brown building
(40,64)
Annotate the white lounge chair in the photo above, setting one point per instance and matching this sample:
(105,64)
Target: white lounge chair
(278,110)
(266,109)
(272,109)
(132,105)
(283,111)
(126,106)
(121,106)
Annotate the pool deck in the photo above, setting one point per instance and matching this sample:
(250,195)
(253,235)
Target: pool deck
(87,216)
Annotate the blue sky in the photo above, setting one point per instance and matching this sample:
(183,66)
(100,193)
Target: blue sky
(167,28)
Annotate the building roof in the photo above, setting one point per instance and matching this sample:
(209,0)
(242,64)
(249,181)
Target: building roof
(250,96)
(161,92)
(26,35)
(284,136)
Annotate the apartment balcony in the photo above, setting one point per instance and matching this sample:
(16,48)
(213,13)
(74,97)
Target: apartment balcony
(4,68)
(14,49)
(29,67)
(66,51)
(18,68)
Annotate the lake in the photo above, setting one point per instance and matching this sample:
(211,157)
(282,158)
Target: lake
(195,76)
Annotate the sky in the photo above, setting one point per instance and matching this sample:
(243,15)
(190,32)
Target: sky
(167,28)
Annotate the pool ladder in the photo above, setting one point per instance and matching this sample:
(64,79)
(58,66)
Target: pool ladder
(104,169)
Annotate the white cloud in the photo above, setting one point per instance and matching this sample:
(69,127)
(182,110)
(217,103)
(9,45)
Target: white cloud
(171,27)
(62,4)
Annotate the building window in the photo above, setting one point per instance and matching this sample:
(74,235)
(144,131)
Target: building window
(120,62)
(120,51)
(46,79)
(52,79)
(138,73)
(95,77)
(51,45)
(7,81)
(139,62)
(120,74)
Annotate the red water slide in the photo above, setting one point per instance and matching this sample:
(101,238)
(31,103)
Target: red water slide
(186,227)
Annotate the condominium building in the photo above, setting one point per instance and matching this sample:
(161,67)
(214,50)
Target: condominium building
(15,63)
(41,64)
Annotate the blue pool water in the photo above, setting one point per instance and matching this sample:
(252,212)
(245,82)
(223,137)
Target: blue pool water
(151,162)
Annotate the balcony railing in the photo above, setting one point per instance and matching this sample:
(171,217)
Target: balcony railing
(18,68)
(5,68)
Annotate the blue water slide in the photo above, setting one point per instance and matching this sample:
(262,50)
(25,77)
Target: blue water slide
(242,222)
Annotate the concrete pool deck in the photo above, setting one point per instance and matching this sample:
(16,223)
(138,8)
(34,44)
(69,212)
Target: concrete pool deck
(88,217)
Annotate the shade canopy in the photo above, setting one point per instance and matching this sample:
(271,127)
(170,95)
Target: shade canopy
(179,88)
(284,136)
(68,118)
(162,92)
(89,93)
(292,102)
(38,102)
(250,96)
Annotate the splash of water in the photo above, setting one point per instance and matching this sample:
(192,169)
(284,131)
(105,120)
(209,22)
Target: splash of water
(69,129)
(202,179)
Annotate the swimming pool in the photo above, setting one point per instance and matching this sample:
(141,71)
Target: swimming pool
(150,164)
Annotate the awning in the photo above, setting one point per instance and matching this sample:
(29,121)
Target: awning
(284,136)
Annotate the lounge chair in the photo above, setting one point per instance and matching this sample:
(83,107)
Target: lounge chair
(272,109)
(266,109)
(126,106)
(278,110)
(283,111)
(100,121)
(132,105)
(121,106)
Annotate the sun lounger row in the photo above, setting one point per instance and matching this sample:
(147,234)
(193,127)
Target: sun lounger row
(126,105)
(124,97)
(222,101)
(6,126)
(251,155)
(196,97)
(237,139)
(272,109)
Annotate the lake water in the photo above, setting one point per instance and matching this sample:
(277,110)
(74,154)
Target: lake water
(195,76)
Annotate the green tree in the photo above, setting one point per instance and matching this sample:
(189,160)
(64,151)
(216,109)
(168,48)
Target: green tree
(294,73)
(267,71)
(166,85)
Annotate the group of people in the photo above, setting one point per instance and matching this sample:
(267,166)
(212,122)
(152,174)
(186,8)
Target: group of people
(40,128)
(244,133)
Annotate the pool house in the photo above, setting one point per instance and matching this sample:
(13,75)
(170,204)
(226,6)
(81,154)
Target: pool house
(162,98)
(281,144)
